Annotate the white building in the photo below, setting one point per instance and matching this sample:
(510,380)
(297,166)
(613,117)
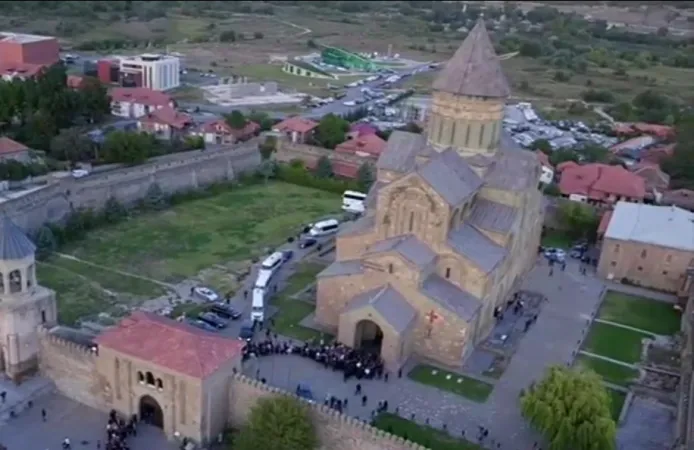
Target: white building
(133,103)
(547,175)
(153,71)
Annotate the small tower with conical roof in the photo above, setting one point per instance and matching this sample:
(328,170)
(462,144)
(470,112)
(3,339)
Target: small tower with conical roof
(24,305)
(469,97)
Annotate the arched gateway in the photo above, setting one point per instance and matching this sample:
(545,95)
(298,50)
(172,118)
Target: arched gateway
(150,412)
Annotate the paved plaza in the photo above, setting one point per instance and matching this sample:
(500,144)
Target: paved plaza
(572,299)
(84,426)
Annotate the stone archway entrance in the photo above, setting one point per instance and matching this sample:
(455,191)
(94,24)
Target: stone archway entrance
(150,412)
(368,336)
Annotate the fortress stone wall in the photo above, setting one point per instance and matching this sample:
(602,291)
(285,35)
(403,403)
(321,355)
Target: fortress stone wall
(173,173)
(73,369)
(336,431)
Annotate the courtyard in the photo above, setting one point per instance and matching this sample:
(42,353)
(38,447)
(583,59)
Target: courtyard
(210,241)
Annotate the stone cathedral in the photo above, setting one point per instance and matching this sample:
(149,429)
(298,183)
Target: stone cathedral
(452,225)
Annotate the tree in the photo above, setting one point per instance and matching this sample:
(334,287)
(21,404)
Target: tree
(680,166)
(227,36)
(267,169)
(578,219)
(572,409)
(71,145)
(257,35)
(114,211)
(366,175)
(324,168)
(594,153)
(235,120)
(268,147)
(278,423)
(45,241)
(94,100)
(562,155)
(543,145)
(262,119)
(331,130)
(125,147)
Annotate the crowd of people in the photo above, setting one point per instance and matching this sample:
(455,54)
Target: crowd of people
(338,357)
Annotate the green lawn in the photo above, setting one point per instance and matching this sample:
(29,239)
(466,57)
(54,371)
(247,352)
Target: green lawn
(614,342)
(617,403)
(639,312)
(178,243)
(292,311)
(273,72)
(470,388)
(610,372)
(428,437)
(556,239)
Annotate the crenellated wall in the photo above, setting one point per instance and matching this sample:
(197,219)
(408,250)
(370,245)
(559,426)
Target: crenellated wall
(336,431)
(178,172)
(72,368)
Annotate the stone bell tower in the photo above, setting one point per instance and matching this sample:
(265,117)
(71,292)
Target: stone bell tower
(24,305)
(468,98)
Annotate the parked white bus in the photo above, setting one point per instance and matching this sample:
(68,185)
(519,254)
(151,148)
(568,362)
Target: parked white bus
(324,228)
(258,305)
(268,268)
(353,201)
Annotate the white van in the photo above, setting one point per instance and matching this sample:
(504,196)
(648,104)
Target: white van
(268,268)
(258,305)
(324,228)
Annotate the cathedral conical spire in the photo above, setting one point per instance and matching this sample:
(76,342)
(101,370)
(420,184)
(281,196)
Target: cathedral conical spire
(475,69)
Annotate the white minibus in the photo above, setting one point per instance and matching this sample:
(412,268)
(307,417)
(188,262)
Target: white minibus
(353,201)
(324,228)
(258,305)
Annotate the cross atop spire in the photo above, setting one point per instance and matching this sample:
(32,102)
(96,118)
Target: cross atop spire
(474,70)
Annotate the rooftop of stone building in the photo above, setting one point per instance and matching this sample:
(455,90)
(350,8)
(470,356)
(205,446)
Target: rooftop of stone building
(170,344)
(14,244)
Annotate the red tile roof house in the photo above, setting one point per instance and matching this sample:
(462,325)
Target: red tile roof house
(656,179)
(220,132)
(659,131)
(159,357)
(165,123)
(13,150)
(367,146)
(297,130)
(600,184)
(361,129)
(133,103)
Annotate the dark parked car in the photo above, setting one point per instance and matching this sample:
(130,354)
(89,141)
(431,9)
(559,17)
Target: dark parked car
(214,320)
(306,243)
(287,254)
(225,311)
(247,330)
(202,325)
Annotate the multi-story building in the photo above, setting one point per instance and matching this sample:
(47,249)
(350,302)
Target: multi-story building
(25,55)
(133,103)
(153,71)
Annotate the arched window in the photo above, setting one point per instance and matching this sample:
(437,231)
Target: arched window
(448,272)
(452,142)
(390,268)
(15,281)
(140,377)
(160,384)
(149,378)
(410,225)
(481,139)
(643,253)
(467,135)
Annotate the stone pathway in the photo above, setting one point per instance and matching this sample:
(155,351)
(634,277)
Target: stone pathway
(572,299)
(111,269)
(627,327)
(641,292)
(605,358)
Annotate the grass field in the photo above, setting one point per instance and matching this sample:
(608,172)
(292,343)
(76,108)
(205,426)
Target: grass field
(610,372)
(639,312)
(272,72)
(615,342)
(556,239)
(470,388)
(428,437)
(292,311)
(617,403)
(182,242)
(531,79)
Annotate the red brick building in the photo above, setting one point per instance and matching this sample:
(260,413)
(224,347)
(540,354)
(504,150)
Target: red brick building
(24,55)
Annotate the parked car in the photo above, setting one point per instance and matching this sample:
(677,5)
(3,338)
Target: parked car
(555,254)
(206,293)
(225,311)
(214,320)
(201,325)
(308,242)
(288,254)
(304,391)
(79,173)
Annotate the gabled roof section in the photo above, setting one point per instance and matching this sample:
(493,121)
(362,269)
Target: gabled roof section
(14,244)
(173,345)
(492,216)
(451,177)
(342,269)
(411,248)
(451,297)
(475,69)
(389,304)
(475,246)
(400,151)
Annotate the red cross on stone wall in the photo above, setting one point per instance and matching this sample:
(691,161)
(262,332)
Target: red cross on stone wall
(432,318)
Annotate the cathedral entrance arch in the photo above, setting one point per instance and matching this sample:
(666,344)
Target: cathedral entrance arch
(151,412)
(368,336)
